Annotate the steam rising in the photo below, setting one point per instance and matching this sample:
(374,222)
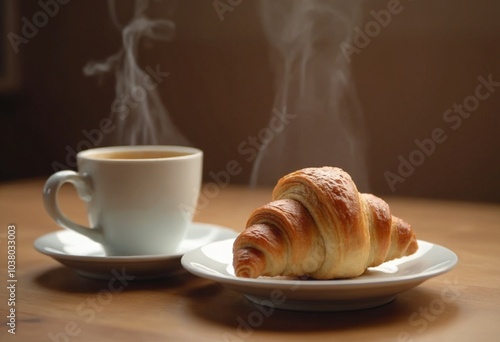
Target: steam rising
(313,83)
(138,112)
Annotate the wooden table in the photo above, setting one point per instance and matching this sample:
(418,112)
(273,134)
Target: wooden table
(462,305)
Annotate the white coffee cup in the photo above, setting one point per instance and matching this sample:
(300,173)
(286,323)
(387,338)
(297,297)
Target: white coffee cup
(140,199)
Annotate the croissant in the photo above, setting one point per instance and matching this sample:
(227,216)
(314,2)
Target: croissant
(319,226)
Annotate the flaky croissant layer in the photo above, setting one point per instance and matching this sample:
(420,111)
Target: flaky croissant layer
(319,226)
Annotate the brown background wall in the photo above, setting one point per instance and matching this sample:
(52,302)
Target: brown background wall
(220,89)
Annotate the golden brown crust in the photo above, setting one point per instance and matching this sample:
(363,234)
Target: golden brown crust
(331,197)
(379,220)
(403,239)
(266,237)
(320,226)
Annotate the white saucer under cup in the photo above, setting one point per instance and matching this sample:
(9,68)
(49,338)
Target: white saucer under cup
(89,259)
(140,199)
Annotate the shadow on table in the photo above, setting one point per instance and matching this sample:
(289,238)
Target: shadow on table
(65,279)
(411,314)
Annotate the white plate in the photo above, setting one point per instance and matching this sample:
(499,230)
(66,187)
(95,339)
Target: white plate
(89,259)
(377,286)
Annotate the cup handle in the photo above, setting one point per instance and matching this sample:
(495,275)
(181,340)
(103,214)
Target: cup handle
(84,189)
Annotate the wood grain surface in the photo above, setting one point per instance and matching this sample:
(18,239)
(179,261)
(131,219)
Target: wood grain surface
(53,303)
